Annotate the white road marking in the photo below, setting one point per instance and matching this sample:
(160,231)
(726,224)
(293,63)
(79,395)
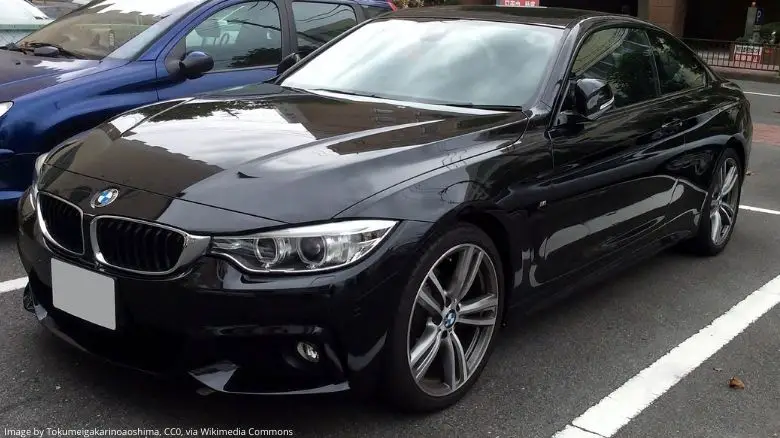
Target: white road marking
(619,408)
(761,94)
(760,210)
(12,285)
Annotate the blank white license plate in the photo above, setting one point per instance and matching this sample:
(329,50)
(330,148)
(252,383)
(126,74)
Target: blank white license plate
(85,294)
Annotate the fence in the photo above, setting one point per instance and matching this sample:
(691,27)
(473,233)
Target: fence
(737,54)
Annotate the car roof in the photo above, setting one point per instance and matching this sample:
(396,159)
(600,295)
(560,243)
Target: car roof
(540,15)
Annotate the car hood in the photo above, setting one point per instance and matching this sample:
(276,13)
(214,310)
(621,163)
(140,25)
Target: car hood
(290,157)
(21,74)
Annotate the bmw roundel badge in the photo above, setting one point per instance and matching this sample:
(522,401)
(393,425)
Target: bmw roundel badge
(104,197)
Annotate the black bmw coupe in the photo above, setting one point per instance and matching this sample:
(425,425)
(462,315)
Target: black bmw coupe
(366,220)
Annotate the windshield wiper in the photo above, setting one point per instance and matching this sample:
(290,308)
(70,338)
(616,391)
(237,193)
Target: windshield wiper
(61,51)
(514,108)
(12,47)
(485,107)
(350,93)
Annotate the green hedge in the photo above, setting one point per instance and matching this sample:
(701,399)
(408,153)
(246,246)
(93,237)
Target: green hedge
(767,29)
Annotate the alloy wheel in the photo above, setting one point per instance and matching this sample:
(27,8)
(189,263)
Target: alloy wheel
(723,206)
(453,320)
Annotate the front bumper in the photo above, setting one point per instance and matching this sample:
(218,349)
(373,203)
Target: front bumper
(231,332)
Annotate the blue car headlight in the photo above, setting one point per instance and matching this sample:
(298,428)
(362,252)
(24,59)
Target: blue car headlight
(304,249)
(4,107)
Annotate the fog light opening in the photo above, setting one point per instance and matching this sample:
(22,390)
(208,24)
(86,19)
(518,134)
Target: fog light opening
(308,351)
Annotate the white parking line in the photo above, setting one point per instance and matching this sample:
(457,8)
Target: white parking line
(760,210)
(12,285)
(761,94)
(619,408)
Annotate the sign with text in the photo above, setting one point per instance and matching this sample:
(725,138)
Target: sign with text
(747,53)
(759,16)
(518,3)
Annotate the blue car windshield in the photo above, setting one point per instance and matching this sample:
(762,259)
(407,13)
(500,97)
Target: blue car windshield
(111,28)
(457,62)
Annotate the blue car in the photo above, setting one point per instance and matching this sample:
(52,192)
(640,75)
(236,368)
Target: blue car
(111,56)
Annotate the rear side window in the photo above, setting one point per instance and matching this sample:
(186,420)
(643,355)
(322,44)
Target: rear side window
(622,57)
(318,23)
(678,68)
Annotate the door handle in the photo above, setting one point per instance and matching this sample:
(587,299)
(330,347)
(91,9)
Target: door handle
(674,123)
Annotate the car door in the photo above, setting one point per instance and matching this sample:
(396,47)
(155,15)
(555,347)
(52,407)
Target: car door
(317,22)
(608,195)
(246,39)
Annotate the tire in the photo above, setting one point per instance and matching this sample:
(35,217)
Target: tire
(456,319)
(704,242)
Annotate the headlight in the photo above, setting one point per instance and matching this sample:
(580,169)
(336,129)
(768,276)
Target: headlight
(304,249)
(4,107)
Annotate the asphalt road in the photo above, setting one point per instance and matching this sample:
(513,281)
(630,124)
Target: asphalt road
(547,370)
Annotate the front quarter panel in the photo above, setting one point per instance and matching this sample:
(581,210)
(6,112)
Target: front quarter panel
(74,106)
(487,179)
(40,121)
(497,191)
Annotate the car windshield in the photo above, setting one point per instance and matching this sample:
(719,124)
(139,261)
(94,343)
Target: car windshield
(110,28)
(457,62)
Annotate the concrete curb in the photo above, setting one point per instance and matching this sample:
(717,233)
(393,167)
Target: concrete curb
(749,75)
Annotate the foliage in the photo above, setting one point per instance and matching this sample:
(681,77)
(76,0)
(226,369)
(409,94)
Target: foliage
(767,29)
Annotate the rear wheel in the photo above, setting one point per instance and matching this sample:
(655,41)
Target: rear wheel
(719,216)
(445,327)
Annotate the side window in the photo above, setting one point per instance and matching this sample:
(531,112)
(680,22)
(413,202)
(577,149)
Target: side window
(318,23)
(373,11)
(243,35)
(622,57)
(678,68)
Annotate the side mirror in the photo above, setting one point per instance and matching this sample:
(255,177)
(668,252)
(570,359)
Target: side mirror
(288,61)
(196,64)
(593,98)
(46,51)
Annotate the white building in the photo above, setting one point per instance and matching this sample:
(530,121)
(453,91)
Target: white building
(18,18)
